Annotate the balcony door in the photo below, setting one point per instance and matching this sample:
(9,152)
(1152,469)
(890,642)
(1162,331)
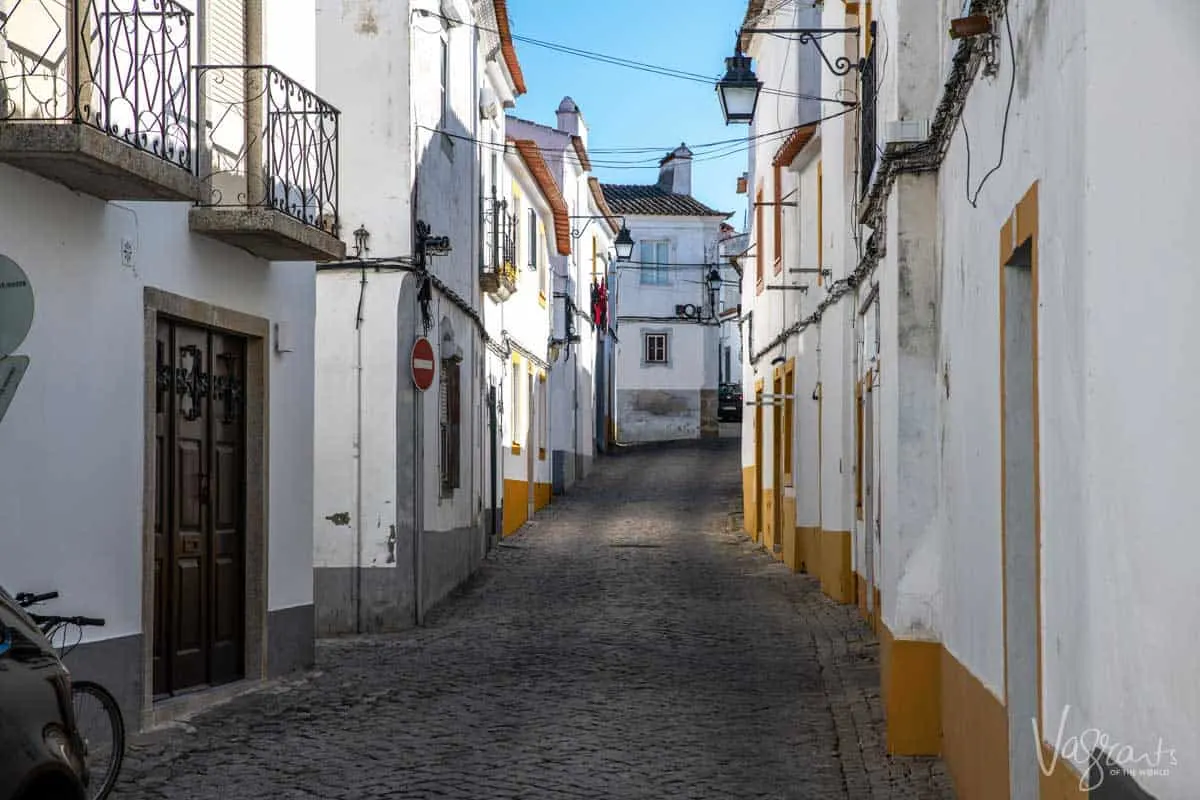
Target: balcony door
(200,508)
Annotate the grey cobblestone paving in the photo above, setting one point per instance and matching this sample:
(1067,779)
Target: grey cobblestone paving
(625,644)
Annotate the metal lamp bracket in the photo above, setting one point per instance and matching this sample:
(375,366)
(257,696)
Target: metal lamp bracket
(840,65)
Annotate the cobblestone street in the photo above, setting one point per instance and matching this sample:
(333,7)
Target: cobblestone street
(625,644)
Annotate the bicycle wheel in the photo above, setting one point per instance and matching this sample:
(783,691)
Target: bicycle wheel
(98,719)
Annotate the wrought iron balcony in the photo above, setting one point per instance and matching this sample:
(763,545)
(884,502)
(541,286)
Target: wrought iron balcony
(95,94)
(269,165)
(499,275)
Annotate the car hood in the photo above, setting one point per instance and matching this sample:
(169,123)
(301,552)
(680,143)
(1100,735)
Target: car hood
(28,642)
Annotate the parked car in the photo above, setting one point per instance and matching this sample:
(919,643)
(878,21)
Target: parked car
(40,750)
(729,402)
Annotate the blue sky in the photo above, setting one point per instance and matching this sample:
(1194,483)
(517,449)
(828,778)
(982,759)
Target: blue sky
(629,108)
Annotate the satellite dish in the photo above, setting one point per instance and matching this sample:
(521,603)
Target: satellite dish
(16,306)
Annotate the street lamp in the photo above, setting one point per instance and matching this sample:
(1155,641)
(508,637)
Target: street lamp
(714,281)
(739,89)
(624,245)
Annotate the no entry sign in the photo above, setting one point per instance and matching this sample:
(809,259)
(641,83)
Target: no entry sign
(422,363)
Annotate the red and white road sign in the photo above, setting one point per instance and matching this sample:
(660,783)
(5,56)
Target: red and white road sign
(423,367)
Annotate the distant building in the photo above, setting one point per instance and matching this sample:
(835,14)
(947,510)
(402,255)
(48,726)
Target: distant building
(668,353)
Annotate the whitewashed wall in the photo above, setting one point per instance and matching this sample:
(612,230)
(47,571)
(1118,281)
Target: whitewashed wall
(73,438)
(1114,465)
(646,308)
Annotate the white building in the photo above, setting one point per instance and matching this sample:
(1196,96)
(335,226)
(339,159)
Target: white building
(1004,467)
(155,459)
(668,330)
(403,507)
(536,226)
(580,260)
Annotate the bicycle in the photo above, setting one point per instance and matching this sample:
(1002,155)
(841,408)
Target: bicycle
(98,719)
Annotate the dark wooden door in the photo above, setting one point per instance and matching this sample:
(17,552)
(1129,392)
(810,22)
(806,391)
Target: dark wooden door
(200,508)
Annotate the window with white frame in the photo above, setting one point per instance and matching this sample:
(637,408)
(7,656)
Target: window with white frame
(654,261)
(656,348)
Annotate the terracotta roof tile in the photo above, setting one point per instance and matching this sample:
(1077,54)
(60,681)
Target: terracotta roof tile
(793,145)
(654,201)
(531,154)
(602,204)
(507,49)
(581,151)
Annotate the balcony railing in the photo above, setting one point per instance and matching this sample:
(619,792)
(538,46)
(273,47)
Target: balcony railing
(867,135)
(118,66)
(499,274)
(271,144)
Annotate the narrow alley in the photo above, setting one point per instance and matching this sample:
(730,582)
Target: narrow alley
(630,642)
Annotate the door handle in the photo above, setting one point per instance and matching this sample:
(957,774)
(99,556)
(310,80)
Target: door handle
(203,490)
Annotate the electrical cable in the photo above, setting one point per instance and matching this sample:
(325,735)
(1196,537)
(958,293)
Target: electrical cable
(1012,49)
(641,66)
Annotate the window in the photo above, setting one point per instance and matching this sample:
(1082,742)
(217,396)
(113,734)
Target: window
(533,240)
(445,87)
(655,260)
(789,433)
(655,349)
(777,219)
(450,417)
(516,407)
(543,417)
(758,239)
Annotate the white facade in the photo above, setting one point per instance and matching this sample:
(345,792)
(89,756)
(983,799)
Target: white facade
(576,343)
(1002,464)
(518,370)
(77,457)
(399,513)
(669,338)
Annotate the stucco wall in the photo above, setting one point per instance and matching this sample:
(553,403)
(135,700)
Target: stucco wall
(73,437)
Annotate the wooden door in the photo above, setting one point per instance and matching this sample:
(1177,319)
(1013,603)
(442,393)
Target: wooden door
(199,542)
(530,444)
(759,466)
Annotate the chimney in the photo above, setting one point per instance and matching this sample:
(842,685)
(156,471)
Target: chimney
(675,171)
(570,120)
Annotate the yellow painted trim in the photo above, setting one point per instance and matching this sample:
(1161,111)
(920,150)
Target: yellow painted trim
(974,733)
(516,505)
(836,550)
(910,687)
(749,504)
(810,550)
(542,492)
(759,514)
(768,526)
(790,535)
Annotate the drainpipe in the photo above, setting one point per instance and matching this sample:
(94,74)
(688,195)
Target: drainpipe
(358,454)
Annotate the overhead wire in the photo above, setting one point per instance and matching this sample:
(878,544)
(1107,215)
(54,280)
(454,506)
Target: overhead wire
(1012,49)
(641,66)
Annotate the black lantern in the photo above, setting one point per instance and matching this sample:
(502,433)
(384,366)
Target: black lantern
(714,281)
(362,239)
(624,244)
(739,89)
